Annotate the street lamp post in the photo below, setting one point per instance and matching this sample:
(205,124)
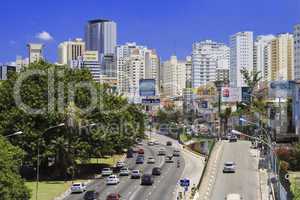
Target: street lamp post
(219,85)
(38,157)
(14,134)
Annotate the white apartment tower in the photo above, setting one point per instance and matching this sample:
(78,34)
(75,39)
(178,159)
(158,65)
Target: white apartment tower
(262,55)
(297,51)
(35,52)
(210,61)
(134,63)
(173,77)
(70,50)
(241,56)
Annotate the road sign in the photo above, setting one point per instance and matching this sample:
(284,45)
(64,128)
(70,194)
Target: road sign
(150,101)
(184,182)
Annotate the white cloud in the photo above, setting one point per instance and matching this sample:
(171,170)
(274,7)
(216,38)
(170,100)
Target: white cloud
(44,35)
(12,42)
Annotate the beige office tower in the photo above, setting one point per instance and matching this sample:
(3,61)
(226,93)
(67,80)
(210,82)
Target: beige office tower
(282,57)
(35,52)
(70,50)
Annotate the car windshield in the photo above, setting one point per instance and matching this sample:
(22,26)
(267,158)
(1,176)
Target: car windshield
(228,164)
(76,185)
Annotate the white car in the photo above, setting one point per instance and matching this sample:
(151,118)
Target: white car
(176,153)
(151,160)
(150,143)
(156,142)
(106,172)
(78,187)
(124,171)
(120,164)
(229,167)
(112,180)
(233,197)
(135,174)
(162,152)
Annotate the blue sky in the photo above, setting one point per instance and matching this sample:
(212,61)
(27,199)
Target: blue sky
(170,26)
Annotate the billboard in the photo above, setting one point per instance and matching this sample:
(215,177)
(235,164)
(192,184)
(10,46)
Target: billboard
(281,89)
(230,95)
(246,96)
(147,87)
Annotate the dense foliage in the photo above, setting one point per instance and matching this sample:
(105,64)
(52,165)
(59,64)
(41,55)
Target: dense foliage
(62,95)
(11,185)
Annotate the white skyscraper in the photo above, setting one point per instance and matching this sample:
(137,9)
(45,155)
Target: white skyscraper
(209,61)
(134,63)
(262,55)
(35,52)
(70,50)
(241,56)
(173,77)
(297,52)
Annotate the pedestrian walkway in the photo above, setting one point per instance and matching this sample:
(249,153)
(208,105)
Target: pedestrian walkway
(210,173)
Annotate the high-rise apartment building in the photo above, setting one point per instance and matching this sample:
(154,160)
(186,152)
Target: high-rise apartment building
(101,36)
(35,52)
(173,77)
(210,61)
(297,52)
(262,54)
(70,50)
(241,56)
(282,58)
(135,62)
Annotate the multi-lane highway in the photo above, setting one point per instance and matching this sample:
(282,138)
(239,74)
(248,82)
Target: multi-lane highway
(245,181)
(164,187)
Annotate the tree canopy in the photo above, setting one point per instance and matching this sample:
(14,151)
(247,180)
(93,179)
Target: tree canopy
(62,94)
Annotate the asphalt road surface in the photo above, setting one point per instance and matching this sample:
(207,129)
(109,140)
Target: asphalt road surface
(245,181)
(164,186)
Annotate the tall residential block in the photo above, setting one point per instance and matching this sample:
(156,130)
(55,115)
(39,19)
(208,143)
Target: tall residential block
(297,52)
(210,62)
(35,52)
(241,56)
(262,55)
(70,50)
(173,77)
(135,62)
(101,36)
(282,58)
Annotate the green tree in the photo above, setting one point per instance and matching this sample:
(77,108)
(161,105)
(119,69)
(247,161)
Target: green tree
(12,186)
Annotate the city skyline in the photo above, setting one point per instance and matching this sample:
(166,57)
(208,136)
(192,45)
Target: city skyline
(138,24)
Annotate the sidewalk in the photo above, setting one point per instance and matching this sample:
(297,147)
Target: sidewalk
(208,180)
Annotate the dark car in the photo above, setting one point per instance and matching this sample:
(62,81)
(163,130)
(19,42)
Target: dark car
(91,195)
(129,153)
(113,196)
(233,139)
(156,171)
(169,143)
(139,160)
(147,179)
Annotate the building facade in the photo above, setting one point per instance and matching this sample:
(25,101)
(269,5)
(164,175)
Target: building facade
(101,36)
(210,61)
(173,77)
(5,70)
(35,52)
(241,56)
(70,50)
(133,63)
(297,52)
(262,55)
(282,58)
